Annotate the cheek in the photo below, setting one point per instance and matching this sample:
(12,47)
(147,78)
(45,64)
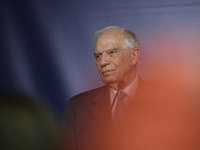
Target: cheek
(119,65)
(124,67)
(98,66)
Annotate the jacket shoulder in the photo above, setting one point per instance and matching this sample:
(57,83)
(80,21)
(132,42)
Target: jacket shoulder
(87,96)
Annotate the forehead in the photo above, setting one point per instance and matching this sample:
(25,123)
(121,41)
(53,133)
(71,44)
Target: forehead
(109,40)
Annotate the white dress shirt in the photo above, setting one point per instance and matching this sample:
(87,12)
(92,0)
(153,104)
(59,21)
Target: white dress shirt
(130,90)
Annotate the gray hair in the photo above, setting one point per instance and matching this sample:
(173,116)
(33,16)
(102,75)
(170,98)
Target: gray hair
(130,40)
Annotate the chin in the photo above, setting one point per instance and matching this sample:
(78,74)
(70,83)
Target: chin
(109,81)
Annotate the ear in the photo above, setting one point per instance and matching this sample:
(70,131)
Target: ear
(135,52)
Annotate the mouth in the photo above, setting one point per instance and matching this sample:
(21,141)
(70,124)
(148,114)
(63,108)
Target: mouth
(107,72)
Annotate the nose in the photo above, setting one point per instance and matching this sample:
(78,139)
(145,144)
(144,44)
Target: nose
(104,61)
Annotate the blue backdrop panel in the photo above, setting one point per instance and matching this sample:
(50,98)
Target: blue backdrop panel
(46,47)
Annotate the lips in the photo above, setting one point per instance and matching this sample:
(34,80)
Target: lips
(107,72)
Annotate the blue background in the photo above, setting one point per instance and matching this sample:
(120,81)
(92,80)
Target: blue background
(46,46)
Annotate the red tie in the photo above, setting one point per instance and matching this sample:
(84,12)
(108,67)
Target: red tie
(119,107)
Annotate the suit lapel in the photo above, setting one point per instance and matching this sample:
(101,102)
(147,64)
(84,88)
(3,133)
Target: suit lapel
(101,105)
(141,86)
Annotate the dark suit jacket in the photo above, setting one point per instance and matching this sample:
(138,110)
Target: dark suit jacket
(84,119)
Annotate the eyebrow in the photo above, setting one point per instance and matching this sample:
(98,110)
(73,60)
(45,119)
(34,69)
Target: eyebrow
(97,53)
(112,49)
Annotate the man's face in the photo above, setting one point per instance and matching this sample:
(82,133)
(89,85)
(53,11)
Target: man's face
(112,60)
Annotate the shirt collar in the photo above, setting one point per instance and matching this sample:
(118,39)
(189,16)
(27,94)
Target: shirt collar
(130,90)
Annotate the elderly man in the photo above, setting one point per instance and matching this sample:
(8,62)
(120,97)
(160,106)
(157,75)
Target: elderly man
(89,117)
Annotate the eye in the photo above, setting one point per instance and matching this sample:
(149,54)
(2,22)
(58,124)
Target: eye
(112,52)
(97,56)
